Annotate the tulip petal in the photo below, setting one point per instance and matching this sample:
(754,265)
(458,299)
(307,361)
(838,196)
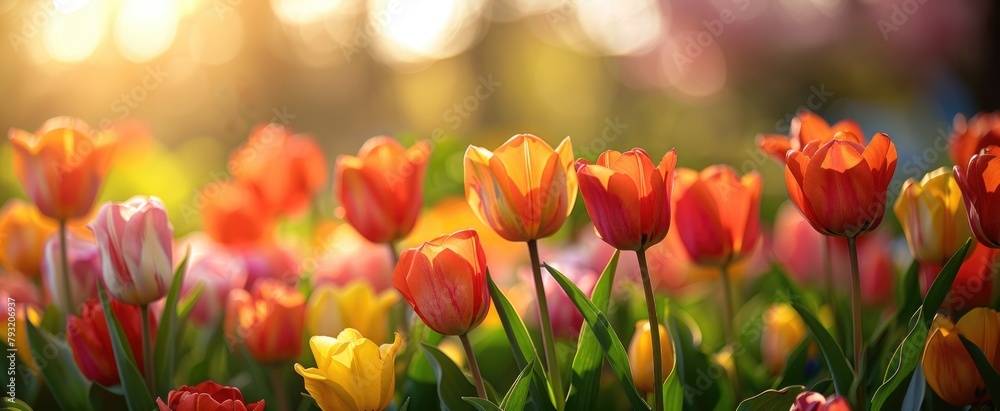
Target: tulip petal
(840,188)
(491,198)
(775,145)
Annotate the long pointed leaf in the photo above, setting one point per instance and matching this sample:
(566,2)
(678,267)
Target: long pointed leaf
(840,370)
(772,400)
(517,396)
(903,361)
(451,382)
(165,347)
(589,359)
(135,388)
(986,370)
(522,346)
(673,392)
(939,289)
(67,385)
(614,351)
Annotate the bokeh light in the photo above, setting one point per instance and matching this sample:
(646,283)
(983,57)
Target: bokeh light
(73,36)
(145,29)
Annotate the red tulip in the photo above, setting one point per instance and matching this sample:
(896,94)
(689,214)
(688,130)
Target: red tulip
(285,168)
(979,184)
(268,322)
(207,396)
(970,137)
(840,186)
(90,341)
(381,189)
(444,280)
(805,128)
(973,285)
(235,214)
(814,401)
(716,214)
(628,197)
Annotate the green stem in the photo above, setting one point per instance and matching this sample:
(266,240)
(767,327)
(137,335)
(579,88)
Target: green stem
(727,305)
(654,330)
(68,289)
(831,293)
(281,397)
(548,338)
(473,365)
(404,325)
(147,350)
(852,246)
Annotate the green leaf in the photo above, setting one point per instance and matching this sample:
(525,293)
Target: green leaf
(481,404)
(165,348)
(795,365)
(694,366)
(840,370)
(186,304)
(902,362)
(452,385)
(772,400)
(405,406)
(942,284)
(15,405)
(588,362)
(67,385)
(673,392)
(135,388)
(517,396)
(986,370)
(521,344)
(614,351)
(911,294)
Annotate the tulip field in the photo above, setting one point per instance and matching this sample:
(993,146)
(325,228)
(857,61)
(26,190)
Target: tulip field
(676,296)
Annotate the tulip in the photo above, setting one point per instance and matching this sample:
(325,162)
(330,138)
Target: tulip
(948,367)
(207,396)
(352,373)
(716,214)
(978,183)
(345,256)
(84,270)
(286,169)
(234,214)
(219,272)
(333,309)
(381,189)
(973,285)
(628,197)
(268,322)
(61,166)
(136,244)
(805,128)
(23,239)
(90,341)
(782,332)
(268,260)
(524,190)
(640,355)
(566,318)
(933,216)
(444,280)
(970,137)
(840,186)
(814,401)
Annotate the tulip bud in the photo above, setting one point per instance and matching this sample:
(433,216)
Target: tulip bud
(219,272)
(805,128)
(347,257)
(381,190)
(267,322)
(207,396)
(286,169)
(23,231)
(783,330)
(814,401)
(978,183)
(969,137)
(628,197)
(933,216)
(444,280)
(366,382)
(85,268)
(234,214)
(90,341)
(716,214)
(332,309)
(136,243)
(640,355)
(524,190)
(62,166)
(949,368)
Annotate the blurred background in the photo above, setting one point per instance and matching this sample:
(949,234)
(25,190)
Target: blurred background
(702,76)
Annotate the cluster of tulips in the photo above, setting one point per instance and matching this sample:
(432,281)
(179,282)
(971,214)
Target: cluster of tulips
(120,290)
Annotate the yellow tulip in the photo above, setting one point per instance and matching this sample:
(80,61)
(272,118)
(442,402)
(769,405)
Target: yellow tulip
(332,309)
(783,331)
(933,216)
(351,373)
(640,355)
(949,368)
(524,189)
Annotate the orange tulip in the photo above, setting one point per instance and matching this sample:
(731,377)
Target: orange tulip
(61,166)
(381,189)
(979,182)
(970,137)
(22,242)
(285,168)
(628,197)
(805,128)
(268,322)
(949,368)
(840,186)
(640,355)
(444,280)
(716,214)
(524,190)
(234,214)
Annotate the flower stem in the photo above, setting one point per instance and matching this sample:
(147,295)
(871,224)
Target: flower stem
(68,290)
(654,330)
(480,388)
(147,350)
(281,397)
(852,246)
(548,339)
(404,325)
(729,317)
(831,293)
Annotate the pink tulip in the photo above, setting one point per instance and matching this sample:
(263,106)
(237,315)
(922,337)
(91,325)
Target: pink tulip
(84,266)
(136,243)
(344,256)
(267,260)
(219,271)
(566,318)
